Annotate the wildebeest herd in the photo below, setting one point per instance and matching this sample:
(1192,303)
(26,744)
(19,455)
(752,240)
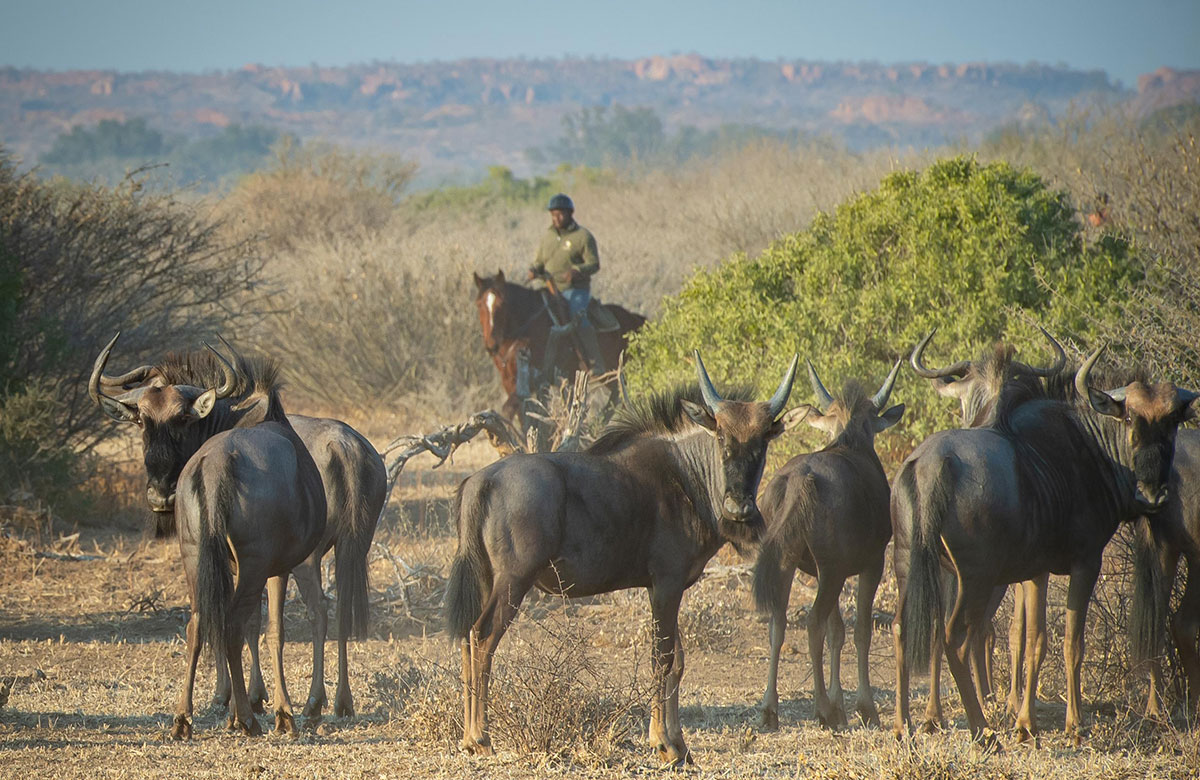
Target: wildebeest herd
(1048,464)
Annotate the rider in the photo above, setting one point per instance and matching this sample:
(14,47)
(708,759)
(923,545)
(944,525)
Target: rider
(568,255)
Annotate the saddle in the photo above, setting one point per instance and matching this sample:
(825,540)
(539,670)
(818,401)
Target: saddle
(603,320)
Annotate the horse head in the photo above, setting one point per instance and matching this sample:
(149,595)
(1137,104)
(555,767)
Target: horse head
(489,301)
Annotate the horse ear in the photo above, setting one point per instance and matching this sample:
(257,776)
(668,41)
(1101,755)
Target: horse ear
(500,276)
(478,281)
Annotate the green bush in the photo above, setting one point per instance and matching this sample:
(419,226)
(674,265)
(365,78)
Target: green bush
(980,252)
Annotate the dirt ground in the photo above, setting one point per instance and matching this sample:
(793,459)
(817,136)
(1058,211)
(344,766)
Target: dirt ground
(91,664)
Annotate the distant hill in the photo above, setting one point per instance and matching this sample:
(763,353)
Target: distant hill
(456,118)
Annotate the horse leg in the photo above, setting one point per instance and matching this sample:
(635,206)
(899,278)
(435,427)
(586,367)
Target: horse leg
(1079,593)
(308,581)
(1016,651)
(868,583)
(769,706)
(285,721)
(498,613)
(247,595)
(664,609)
(183,712)
(258,688)
(1035,652)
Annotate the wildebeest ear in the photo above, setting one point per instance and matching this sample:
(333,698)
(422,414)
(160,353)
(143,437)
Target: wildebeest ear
(120,410)
(499,276)
(793,417)
(699,415)
(1105,404)
(889,418)
(203,405)
(478,280)
(951,388)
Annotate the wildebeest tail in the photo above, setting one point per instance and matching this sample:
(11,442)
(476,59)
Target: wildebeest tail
(471,572)
(923,611)
(1151,593)
(789,516)
(355,506)
(214,572)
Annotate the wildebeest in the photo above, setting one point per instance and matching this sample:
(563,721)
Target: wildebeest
(1160,540)
(826,513)
(1057,478)
(352,474)
(514,317)
(250,498)
(978,385)
(647,505)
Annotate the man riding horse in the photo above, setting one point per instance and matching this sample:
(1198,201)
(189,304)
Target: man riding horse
(567,259)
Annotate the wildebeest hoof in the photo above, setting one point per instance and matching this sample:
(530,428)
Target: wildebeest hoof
(478,746)
(183,728)
(313,707)
(930,726)
(769,719)
(869,715)
(988,742)
(674,756)
(250,727)
(343,707)
(258,705)
(285,723)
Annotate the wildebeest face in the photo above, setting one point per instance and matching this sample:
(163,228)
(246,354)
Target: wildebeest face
(1151,415)
(168,417)
(742,430)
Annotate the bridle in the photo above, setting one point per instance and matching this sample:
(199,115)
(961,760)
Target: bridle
(516,334)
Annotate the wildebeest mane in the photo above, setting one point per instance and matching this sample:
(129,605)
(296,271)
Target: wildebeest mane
(201,368)
(661,413)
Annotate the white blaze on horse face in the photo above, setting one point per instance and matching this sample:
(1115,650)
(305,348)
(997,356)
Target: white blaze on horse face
(489,301)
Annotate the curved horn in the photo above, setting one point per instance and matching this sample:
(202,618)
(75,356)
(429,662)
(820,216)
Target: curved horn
(712,399)
(94,385)
(1081,376)
(231,376)
(958,369)
(824,399)
(1060,357)
(785,389)
(98,377)
(880,399)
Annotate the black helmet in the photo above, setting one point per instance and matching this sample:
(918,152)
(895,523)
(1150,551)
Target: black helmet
(560,201)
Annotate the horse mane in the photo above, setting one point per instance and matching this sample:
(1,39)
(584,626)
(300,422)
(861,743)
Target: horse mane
(660,414)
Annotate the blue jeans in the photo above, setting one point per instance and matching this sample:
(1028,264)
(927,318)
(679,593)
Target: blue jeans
(577,302)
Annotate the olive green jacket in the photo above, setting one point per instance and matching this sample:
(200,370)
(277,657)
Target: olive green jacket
(562,252)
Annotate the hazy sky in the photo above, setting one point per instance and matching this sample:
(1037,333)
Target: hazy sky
(1125,38)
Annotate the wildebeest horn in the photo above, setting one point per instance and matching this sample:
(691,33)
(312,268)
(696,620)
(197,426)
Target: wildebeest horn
(712,399)
(231,377)
(138,374)
(785,389)
(1060,357)
(958,369)
(880,399)
(94,382)
(1081,376)
(824,399)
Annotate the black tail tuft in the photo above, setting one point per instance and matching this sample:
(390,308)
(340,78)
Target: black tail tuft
(214,572)
(1148,612)
(470,574)
(923,609)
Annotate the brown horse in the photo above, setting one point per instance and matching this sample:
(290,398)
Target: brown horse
(514,317)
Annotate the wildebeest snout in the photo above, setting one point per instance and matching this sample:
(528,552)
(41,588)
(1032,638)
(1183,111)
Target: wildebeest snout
(160,501)
(740,509)
(1152,498)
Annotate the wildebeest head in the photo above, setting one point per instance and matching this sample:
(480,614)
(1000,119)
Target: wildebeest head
(489,301)
(742,430)
(167,415)
(979,384)
(853,411)
(1151,414)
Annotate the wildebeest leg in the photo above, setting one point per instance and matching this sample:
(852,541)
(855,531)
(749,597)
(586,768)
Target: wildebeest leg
(285,721)
(1079,593)
(985,646)
(221,686)
(343,700)
(935,718)
(769,706)
(664,609)
(835,641)
(1016,650)
(183,713)
(258,688)
(1035,651)
(961,631)
(247,595)
(1184,625)
(498,613)
(901,723)
(868,583)
(674,681)
(308,581)
(824,604)
(1169,563)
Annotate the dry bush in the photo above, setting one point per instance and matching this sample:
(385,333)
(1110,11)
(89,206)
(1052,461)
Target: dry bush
(427,699)
(316,193)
